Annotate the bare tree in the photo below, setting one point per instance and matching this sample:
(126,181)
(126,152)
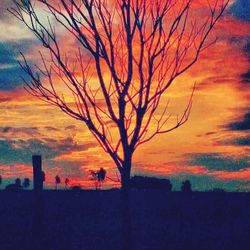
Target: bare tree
(127,54)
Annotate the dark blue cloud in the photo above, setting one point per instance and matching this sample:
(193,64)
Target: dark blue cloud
(10,78)
(246,77)
(243,42)
(10,71)
(247,47)
(217,161)
(21,151)
(238,141)
(241,125)
(241,10)
(244,141)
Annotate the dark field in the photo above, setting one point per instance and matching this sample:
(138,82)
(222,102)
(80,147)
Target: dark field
(105,220)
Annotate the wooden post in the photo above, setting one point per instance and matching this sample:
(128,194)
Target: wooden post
(37,172)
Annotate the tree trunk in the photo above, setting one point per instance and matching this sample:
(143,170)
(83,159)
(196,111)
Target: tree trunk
(125,203)
(125,174)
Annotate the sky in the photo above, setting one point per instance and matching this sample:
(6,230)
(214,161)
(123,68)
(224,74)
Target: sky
(211,149)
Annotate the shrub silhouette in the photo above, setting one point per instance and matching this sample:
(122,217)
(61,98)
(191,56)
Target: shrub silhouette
(66,182)
(57,180)
(76,188)
(144,182)
(16,186)
(101,174)
(186,186)
(218,190)
(26,183)
(98,177)
(18,183)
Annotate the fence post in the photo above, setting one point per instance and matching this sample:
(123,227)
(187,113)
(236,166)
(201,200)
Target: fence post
(38,177)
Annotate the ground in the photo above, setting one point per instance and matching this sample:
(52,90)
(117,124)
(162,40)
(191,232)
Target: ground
(152,219)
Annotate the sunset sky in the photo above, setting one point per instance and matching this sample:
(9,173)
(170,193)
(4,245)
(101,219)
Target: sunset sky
(212,149)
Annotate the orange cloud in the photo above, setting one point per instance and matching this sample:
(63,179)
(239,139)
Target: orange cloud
(243,175)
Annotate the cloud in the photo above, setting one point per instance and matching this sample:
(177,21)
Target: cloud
(239,40)
(16,170)
(241,10)
(247,47)
(4,14)
(246,77)
(70,127)
(217,161)
(49,128)
(5,99)
(242,125)
(10,71)
(241,141)
(10,78)
(68,145)
(11,28)
(14,130)
(21,151)
(17,133)
(242,174)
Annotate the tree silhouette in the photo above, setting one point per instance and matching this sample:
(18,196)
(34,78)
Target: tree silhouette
(1,180)
(57,180)
(26,183)
(98,177)
(128,53)
(101,174)
(186,186)
(66,182)
(18,183)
